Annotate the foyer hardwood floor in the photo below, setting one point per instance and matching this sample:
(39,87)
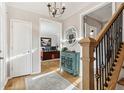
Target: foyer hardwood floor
(49,66)
(18,83)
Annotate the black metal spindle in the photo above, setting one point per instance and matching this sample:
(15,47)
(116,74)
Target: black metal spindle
(116,38)
(120,27)
(121,24)
(112,37)
(100,65)
(97,75)
(118,31)
(111,31)
(105,49)
(107,55)
(106,52)
(110,50)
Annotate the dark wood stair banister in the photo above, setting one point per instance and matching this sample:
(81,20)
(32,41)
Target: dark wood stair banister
(89,45)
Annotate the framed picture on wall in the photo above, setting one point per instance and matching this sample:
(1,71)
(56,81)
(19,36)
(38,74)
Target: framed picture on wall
(45,42)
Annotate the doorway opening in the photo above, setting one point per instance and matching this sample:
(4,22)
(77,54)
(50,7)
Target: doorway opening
(95,20)
(51,47)
(50,34)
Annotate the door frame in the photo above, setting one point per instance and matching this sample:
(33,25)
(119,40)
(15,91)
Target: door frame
(3,31)
(11,34)
(44,19)
(90,11)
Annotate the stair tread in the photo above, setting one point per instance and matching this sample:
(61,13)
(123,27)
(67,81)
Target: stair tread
(114,78)
(121,81)
(122,67)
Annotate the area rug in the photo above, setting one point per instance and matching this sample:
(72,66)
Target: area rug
(52,81)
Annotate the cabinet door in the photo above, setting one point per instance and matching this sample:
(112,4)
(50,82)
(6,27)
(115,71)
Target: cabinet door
(76,64)
(69,63)
(47,55)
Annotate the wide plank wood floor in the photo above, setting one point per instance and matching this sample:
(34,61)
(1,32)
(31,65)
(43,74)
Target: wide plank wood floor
(49,66)
(18,83)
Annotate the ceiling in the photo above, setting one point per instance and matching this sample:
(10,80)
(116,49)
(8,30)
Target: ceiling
(103,14)
(41,8)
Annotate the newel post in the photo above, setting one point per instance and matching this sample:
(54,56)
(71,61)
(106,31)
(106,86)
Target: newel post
(88,45)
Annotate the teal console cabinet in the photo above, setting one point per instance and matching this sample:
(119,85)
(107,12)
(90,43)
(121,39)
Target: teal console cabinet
(70,62)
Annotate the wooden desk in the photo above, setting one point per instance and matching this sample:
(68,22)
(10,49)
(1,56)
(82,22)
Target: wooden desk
(50,55)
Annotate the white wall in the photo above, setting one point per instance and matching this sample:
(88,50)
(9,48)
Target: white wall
(75,20)
(15,13)
(94,23)
(50,29)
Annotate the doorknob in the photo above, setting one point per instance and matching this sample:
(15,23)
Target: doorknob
(0,51)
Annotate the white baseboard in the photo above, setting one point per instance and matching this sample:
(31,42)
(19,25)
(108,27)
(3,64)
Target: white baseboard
(33,73)
(51,60)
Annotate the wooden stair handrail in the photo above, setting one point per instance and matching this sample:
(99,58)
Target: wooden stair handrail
(108,24)
(88,45)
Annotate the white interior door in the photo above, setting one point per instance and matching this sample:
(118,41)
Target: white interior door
(20,48)
(2,46)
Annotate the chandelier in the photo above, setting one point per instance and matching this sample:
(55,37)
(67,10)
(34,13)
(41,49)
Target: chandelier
(56,9)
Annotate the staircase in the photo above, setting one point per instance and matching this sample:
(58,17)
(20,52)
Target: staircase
(103,55)
(118,67)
